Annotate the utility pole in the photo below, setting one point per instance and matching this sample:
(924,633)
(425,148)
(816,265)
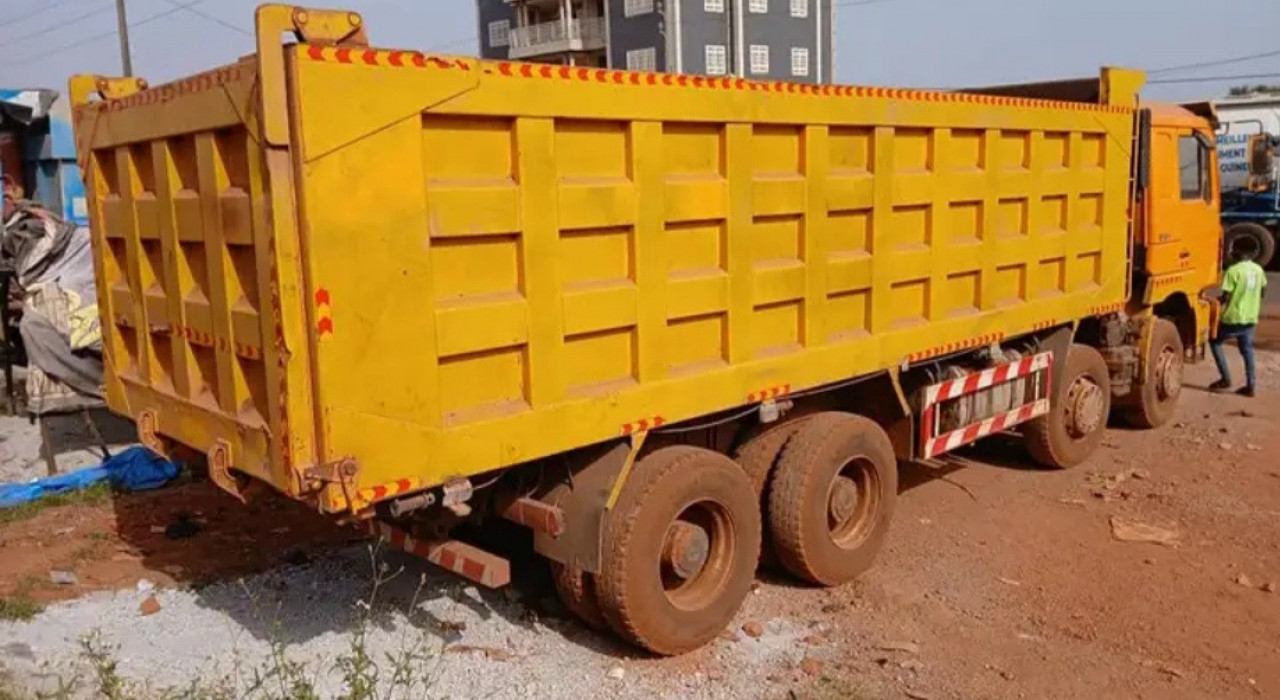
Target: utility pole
(122,29)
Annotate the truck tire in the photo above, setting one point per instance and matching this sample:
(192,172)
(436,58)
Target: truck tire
(680,550)
(1256,236)
(832,497)
(1156,396)
(577,592)
(1077,417)
(758,455)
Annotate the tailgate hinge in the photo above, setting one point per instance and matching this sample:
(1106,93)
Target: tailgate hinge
(342,472)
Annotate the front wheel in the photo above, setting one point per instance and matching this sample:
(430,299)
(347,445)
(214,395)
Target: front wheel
(1156,395)
(1072,429)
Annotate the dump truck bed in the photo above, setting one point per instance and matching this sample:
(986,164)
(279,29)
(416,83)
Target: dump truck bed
(446,266)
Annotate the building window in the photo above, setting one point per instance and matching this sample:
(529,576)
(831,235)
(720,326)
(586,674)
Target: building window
(500,33)
(759,59)
(759,7)
(642,59)
(713,5)
(717,60)
(799,8)
(800,62)
(633,8)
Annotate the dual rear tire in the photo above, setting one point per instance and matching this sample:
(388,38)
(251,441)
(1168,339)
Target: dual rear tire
(684,538)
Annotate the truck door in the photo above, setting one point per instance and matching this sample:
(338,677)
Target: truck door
(1183,237)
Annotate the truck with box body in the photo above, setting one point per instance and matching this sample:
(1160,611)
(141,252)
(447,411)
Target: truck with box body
(1248,135)
(661,320)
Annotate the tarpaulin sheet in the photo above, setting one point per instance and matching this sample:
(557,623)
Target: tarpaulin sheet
(134,469)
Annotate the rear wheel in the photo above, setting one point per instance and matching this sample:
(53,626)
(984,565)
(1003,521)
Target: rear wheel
(832,498)
(1073,427)
(757,456)
(680,550)
(1253,238)
(577,591)
(1156,396)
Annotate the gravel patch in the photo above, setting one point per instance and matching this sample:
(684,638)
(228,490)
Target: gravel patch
(481,644)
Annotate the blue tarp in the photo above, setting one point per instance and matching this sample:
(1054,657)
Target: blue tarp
(135,469)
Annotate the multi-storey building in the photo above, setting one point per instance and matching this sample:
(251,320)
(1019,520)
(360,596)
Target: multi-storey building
(762,39)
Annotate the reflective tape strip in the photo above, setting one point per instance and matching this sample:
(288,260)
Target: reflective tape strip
(467,561)
(987,378)
(981,429)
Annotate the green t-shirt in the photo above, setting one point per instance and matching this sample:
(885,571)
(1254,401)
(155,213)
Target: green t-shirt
(1244,281)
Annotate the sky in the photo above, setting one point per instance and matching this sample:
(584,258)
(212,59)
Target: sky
(907,43)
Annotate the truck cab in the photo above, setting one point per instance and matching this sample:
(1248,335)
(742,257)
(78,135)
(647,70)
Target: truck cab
(1177,230)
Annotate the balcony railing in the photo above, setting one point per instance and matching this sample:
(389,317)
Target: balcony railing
(580,34)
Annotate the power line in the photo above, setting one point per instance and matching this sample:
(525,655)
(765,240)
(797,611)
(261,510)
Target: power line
(36,12)
(1219,62)
(27,36)
(211,18)
(1215,79)
(44,54)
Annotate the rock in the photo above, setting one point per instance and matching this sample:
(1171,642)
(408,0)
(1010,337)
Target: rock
(1225,446)
(1140,474)
(1240,414)
(753,629)
(1009,581)
(919,695)
(810,666)
(1243,580)
(157,529)
(1253,448)
(715,675)
(149,606)
(1123,531)
(911,665)
(616,673)
(145,586)
(63,578)
(730,636)
(1171,671)
(1268,587)
(491,653)
(905,647)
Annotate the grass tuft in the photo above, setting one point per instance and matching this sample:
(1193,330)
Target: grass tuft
(93,494)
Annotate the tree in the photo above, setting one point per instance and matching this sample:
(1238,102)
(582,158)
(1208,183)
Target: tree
(1245,90)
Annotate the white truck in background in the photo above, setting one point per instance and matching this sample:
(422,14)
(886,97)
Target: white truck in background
(1248,137)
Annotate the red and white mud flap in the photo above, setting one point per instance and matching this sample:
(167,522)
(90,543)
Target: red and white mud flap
(467,561)
(933,443)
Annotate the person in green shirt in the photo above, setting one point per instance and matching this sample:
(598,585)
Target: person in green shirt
(1243,286)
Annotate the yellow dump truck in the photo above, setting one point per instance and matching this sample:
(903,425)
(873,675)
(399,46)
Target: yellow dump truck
(663,321)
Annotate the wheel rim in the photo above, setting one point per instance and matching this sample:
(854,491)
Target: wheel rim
(853,497)
(697,555)
(1084,406)
(1168,374)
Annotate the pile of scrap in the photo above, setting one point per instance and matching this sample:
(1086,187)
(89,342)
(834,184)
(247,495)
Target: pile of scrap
(51,269)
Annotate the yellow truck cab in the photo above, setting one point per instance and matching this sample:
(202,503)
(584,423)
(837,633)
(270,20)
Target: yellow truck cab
(1177,232)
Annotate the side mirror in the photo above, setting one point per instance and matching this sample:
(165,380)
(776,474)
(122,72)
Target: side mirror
(1262,156)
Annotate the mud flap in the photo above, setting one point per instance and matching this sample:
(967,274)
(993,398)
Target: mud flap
(583,495)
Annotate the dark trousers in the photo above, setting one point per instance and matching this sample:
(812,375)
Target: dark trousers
(1243,334)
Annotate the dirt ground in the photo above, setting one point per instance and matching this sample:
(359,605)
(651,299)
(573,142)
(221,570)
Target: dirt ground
(998,581)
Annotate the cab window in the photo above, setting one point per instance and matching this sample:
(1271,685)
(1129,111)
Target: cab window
(1193,168)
